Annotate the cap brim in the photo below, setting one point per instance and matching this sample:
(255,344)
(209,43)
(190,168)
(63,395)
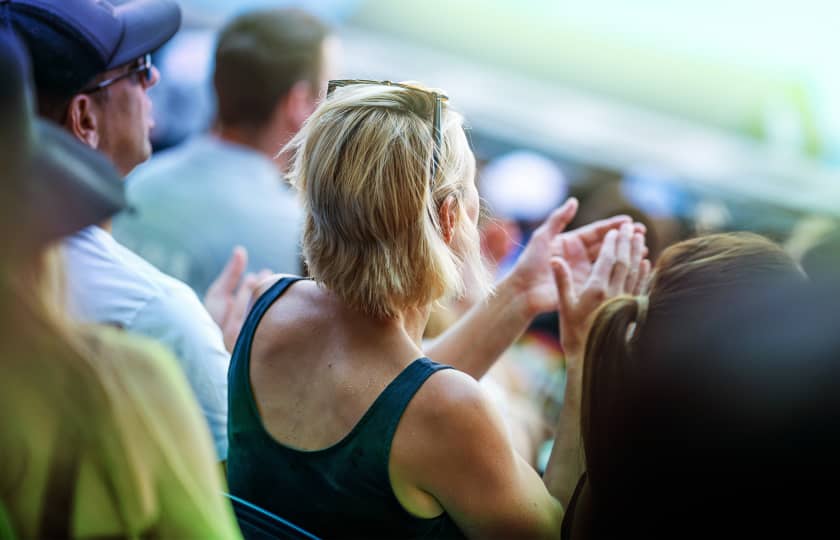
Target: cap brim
(70,186)
(148,24)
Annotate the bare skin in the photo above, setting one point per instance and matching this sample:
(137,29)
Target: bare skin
(317,366)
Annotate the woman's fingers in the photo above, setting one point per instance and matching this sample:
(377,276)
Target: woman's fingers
(637,254)
(560,218)
(565,287)
(621,268)
(595,290)
(644,274)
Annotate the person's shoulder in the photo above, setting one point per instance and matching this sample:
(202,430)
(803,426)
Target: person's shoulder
(174,302)
(274,279)
(105,280)
(449,428)
(130,358)
(177,318)
(449,398)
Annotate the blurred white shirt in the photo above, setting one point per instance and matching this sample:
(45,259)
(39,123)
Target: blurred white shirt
(108,284)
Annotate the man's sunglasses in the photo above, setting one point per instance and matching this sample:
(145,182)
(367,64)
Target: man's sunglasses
(438,97)
(141,66)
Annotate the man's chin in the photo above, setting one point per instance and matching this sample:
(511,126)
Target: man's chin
(147,152)
(139,159)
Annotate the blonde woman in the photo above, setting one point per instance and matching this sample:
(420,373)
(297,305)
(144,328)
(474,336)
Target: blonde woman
(339,421)
(100,436)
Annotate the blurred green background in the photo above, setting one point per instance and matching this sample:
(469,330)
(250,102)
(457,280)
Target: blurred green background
(764,69)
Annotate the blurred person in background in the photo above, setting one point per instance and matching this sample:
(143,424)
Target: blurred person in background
(339,421)
(101,436)
(92,70)
(646,202)
(509,388)
(822,261)
(706,397)
(815,243)
(521,188)
(195,202)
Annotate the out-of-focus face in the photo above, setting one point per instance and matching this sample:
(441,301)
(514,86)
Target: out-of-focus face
(330,60)
(471,202)
(477,276)
(126,118)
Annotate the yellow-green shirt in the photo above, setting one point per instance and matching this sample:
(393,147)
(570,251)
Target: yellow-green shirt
(145,460)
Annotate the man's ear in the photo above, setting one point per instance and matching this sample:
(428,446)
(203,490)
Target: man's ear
(448,216)
(82,120)
(299,104)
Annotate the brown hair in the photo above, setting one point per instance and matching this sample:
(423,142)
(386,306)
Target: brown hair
(655,383)
(259,57)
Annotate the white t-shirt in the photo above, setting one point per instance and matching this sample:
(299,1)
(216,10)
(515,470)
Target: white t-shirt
(108,284)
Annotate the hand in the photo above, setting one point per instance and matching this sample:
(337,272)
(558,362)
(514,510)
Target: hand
(239,306)
(580,248)
(532,273)
(221,292)
(619,269)
(227,299)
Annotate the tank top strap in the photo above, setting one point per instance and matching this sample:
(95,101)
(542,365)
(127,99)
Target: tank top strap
(243,412)
(265,301)
(380,422)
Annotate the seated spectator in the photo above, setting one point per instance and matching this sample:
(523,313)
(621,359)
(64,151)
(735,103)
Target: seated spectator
(339,421)
(697,397)
(101,436)
(815,243)
(822,261)
(102,101)
(194,203)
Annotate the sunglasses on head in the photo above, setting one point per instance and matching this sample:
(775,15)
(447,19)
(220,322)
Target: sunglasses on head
(142,66)
(438,97)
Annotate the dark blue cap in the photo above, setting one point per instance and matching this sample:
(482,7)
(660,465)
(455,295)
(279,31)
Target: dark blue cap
(51,185)
(72,41)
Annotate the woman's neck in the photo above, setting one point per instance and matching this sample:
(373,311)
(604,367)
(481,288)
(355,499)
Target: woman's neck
(413,322)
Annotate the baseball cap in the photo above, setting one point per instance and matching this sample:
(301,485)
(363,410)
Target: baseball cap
(52,185)
(72,41)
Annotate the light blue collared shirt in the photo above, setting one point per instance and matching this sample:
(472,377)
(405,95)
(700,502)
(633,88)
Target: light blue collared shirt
(194,203)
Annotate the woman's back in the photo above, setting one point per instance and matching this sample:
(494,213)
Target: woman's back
(316,399)
(113,447)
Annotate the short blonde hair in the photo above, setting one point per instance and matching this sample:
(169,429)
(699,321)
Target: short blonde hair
(371,236)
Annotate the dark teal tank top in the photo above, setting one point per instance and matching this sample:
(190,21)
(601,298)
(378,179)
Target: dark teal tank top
(343,491)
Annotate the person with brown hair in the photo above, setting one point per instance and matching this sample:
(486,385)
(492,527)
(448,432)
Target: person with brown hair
(686,406)
(101,436)
(339,421)
(226,188)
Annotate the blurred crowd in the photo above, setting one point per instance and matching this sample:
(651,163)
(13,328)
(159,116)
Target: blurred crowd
(325,314)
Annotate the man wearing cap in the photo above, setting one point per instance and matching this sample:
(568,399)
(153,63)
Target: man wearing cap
(92,68)
(89,414)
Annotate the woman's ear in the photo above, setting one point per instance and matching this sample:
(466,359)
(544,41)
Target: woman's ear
(448,217)
(82,120)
